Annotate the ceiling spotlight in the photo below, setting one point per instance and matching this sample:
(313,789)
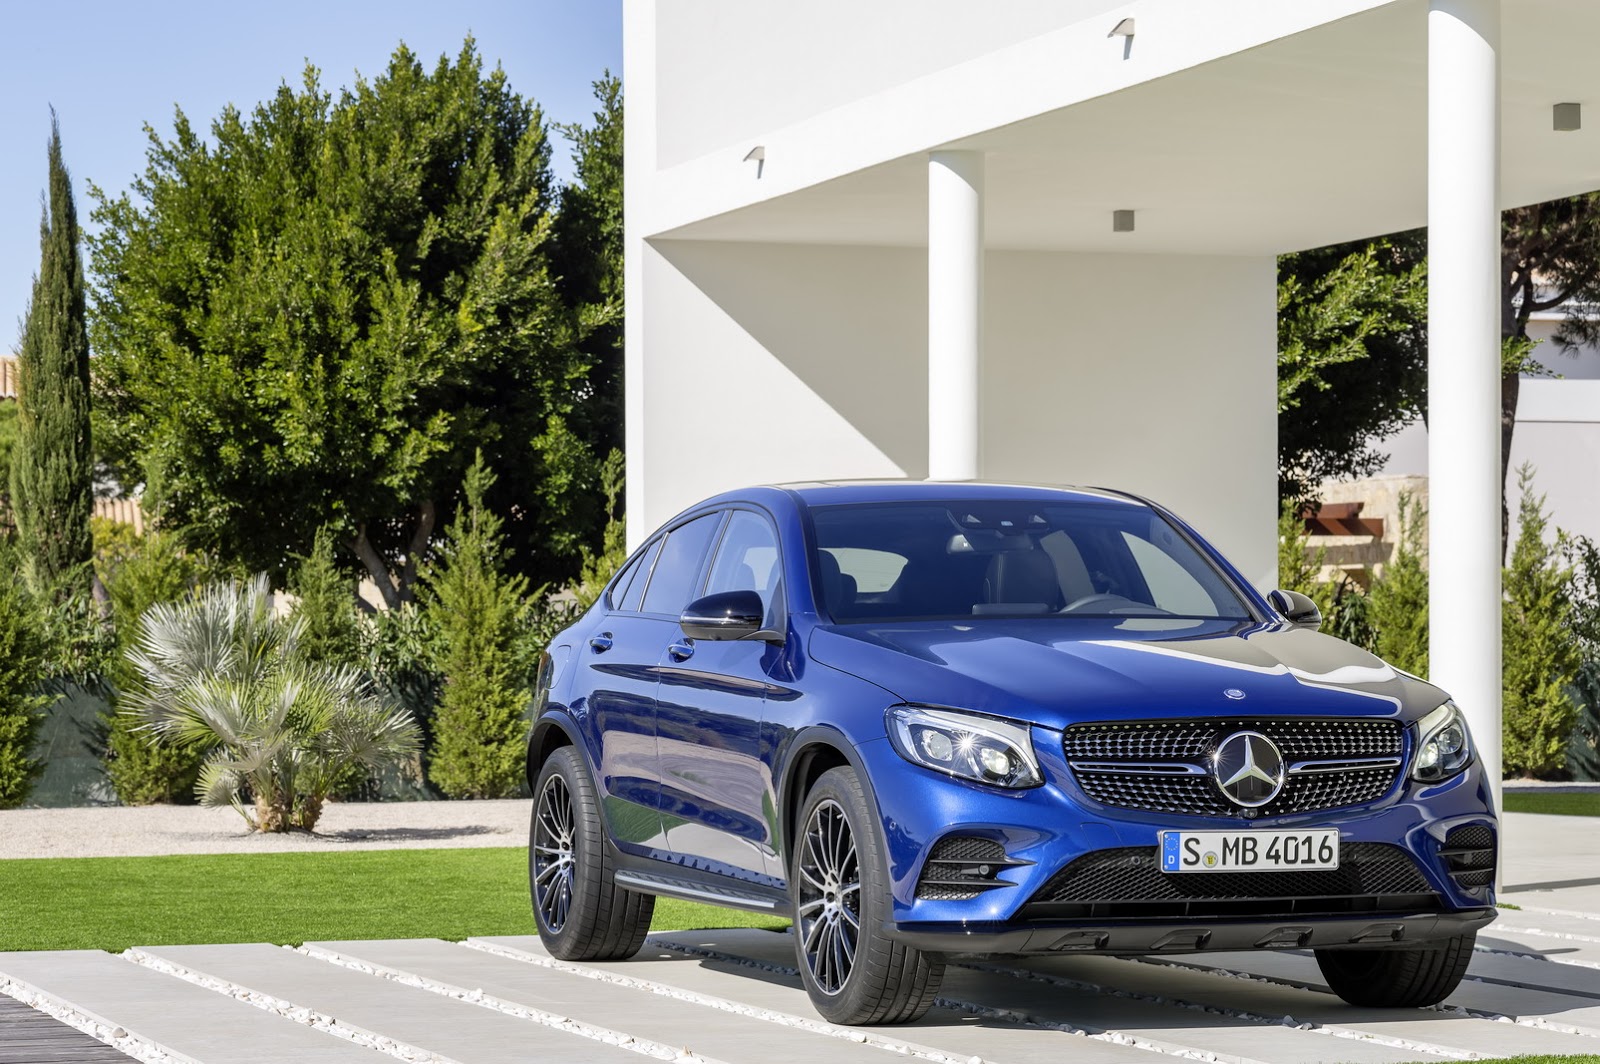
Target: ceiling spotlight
(758,155)
(1122,221)
(1122,29)
(1568,117)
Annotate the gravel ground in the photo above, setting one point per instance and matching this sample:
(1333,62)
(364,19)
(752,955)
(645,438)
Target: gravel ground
(144,831)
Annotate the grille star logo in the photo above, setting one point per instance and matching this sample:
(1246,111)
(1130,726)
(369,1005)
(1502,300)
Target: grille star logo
(1248,768)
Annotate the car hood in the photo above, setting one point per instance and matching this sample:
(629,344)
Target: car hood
(1060,671)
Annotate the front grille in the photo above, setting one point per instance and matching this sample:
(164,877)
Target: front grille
(1129,883)
(1142,765)
(1469,855)
(962,867)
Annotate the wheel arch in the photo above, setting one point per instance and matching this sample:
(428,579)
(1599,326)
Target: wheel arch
(550,732)
(815,750)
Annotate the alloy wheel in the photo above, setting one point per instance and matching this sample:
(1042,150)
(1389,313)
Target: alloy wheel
(554,860)
(830,896)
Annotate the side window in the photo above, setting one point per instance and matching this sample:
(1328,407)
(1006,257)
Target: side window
(673,581)
(619,588)
(635,592)
(747,558)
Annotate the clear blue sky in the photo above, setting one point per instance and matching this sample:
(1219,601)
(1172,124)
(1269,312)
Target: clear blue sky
(110,66)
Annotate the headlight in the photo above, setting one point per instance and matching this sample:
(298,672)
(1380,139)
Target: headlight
(978,748)
(1444,746)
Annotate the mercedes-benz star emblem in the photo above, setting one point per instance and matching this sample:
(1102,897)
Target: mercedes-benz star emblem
(1249,769)
(1233,693)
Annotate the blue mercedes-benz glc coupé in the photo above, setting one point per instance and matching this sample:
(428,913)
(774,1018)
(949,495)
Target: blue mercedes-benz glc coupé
(926,719)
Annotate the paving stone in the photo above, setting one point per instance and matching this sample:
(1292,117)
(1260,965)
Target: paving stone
(1166,1025)
(1476,1035)
(470,1034)
(951,1032)
(671,1021)
(189,1022)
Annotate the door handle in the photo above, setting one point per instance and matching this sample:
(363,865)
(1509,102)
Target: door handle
(680,651)
(601,643)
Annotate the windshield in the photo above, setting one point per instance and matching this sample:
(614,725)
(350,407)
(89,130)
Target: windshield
(939,561)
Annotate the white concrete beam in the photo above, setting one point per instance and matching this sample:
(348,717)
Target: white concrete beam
(1464,363)
(955,314)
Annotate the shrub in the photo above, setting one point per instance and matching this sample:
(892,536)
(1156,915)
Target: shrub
(1583,747)
(223,673)
(482,617)
(22,667)
(1542,657)
(139,572)
(1397,604)
(326,606)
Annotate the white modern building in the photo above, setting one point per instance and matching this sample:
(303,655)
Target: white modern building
(1036,240)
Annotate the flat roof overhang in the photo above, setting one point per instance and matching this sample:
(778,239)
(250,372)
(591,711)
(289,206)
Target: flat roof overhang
(1316,136)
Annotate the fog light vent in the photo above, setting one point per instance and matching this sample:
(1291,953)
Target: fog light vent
(1469,855)
(962,867)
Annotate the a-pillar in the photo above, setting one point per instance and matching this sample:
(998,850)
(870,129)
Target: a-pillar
(1464,364)
(955,314)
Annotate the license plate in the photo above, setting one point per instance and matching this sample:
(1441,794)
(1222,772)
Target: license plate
(1249,851)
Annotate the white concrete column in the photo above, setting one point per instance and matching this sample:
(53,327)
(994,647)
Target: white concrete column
(1464,363)
(955,314)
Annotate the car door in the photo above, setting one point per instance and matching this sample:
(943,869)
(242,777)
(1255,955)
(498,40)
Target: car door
(710,705)
(623,653)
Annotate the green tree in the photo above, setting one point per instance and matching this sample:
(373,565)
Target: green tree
(1398,601)
(1352,356)
(22,667)
(326,606)
(315,315)
(1541,657)
(481,614)
(52,465)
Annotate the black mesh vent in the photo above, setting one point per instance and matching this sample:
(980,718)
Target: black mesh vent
(1469,855)
(1193,742)
(962,867)
(1371,877)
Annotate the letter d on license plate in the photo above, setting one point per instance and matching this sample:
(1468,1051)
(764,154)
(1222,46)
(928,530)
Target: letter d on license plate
(1248,851)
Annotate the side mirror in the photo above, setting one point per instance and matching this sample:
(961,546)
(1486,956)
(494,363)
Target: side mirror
(725,615)
(1301,611)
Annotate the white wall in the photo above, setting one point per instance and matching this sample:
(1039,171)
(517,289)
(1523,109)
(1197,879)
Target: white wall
(1145,373)
(1154,374)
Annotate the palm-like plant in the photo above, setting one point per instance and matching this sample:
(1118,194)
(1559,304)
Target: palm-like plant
(222,672)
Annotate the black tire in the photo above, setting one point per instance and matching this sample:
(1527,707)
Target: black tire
(853,973)
(1394,977)
(581,912)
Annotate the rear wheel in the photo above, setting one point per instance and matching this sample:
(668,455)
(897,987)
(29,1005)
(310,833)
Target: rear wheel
(852,971)
(582,914)
(1395,977)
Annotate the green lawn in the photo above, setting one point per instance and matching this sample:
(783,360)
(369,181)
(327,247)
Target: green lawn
(112,903)
(1585,804)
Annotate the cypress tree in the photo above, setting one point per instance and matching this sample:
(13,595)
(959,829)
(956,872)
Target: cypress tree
(52,466)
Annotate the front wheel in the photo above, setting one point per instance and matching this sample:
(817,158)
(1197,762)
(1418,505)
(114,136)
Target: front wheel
(581,912)
(1394,977)
(853,972)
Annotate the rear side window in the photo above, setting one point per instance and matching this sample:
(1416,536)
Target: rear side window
(673,581)
(641,577)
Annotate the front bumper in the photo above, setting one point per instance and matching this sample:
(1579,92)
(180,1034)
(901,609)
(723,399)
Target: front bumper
(1043,830)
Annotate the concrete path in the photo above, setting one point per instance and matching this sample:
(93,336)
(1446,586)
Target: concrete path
(733,996)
